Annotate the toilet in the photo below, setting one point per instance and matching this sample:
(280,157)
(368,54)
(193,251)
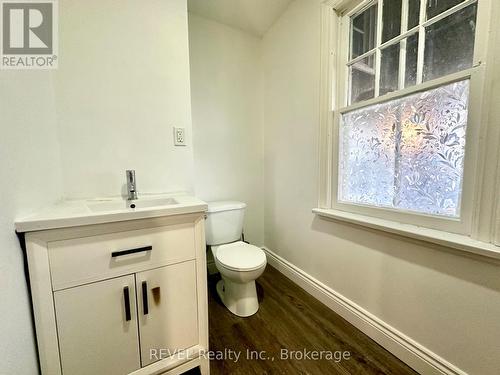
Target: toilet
(238,262)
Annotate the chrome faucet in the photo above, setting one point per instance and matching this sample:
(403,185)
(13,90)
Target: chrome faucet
(131,185)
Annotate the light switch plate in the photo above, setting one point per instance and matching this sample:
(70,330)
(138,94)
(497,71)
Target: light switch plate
(179,137)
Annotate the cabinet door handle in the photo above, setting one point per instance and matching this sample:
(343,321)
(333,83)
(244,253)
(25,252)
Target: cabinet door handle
(145,307)
(115,254)
(126,299)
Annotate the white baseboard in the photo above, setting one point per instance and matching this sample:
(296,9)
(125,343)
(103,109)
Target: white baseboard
(409,351)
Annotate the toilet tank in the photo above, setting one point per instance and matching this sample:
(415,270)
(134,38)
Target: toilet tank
(224,222)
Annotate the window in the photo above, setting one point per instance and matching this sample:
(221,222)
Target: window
(403,125)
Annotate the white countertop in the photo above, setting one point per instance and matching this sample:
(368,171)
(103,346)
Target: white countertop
(73,213)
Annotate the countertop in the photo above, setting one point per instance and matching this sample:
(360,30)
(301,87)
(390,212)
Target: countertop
(72,213)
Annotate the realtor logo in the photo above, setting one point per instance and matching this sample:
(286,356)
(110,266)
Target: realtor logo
(29,34)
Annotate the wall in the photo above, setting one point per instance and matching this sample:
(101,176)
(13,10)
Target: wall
(227,118)
(122,84)
(444,301)
(30,176)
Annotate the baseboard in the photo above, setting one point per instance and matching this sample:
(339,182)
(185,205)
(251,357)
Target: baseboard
(412,353)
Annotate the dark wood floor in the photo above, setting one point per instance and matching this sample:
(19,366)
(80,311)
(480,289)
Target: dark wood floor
(289,318)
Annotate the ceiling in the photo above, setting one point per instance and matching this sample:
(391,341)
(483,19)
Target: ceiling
(253,16)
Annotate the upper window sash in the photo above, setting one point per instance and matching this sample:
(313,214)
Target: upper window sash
(405,33)
(372,58)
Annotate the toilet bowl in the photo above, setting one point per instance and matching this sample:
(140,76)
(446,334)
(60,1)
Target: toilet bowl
(238,262)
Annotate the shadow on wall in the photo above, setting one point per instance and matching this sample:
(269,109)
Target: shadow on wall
(478,270)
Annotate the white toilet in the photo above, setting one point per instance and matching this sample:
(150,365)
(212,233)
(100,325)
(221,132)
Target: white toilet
(239,263)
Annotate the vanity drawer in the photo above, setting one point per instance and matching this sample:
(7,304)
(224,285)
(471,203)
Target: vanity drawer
(84,260)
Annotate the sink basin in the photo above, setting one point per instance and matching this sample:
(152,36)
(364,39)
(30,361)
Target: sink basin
(76,213)
(120,205)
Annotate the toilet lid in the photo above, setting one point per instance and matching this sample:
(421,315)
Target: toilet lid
(241,256)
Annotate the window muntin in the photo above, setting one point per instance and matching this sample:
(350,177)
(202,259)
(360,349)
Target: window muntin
(426,43)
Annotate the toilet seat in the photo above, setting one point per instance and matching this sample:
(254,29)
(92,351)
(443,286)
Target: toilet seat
(240,256)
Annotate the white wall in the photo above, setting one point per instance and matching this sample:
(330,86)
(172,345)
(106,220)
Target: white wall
(30,177)
(446,302)
(227,118)
(122,84)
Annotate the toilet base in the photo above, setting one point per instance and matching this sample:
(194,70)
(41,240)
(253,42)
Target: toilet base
(240,299)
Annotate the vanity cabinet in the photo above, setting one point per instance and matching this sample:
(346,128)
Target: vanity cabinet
(122,297)
(95,336)
(167,309)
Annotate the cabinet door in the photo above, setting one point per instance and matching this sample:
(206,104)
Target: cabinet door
(168,315)
(97,328)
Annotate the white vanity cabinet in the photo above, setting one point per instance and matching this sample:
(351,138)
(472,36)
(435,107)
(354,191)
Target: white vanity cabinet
(167,309)
(94,335)
(120,298)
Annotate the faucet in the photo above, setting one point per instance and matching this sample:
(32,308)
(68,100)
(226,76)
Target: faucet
(131,185)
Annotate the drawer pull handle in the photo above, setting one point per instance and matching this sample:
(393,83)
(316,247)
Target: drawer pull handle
(145,307)
(115,254)
(126,299)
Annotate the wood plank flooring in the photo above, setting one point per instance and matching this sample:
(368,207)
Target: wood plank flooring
(289,318)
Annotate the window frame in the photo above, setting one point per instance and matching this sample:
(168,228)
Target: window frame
(335,46)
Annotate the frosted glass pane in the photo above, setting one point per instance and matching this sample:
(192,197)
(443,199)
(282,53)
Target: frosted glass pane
(408,153)
(367,156)
(432,145)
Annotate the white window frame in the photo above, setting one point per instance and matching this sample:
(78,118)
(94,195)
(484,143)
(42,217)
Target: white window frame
(477,214)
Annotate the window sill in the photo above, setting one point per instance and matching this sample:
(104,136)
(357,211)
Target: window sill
(450,240)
